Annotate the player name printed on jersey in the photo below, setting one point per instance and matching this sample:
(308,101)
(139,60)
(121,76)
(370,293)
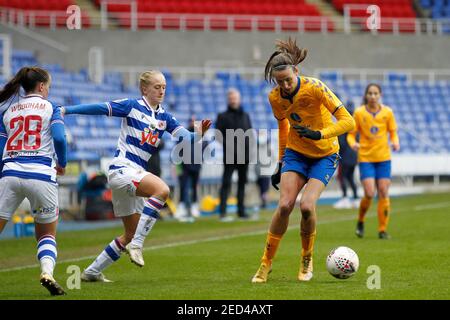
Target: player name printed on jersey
(31,105)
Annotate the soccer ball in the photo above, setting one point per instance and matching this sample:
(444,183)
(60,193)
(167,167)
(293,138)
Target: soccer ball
(342,262)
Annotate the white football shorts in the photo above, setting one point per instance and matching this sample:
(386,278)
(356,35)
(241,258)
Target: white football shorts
(123,182)
(43,197)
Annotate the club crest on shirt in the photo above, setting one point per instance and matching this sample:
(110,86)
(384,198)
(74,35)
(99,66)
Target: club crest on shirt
(374,130)
(162,125)
(294,116)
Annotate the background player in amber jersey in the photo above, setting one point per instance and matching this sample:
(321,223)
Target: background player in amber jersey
(374,122)
(308,149)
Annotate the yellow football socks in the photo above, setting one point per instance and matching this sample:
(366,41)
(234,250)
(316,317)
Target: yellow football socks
(272,242)
(384,206)
(363,207)
(308,243)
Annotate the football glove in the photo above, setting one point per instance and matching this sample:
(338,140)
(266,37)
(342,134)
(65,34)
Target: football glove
(308,133)
(276,177)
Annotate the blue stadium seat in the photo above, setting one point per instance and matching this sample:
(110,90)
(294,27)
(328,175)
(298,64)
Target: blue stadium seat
(419,106)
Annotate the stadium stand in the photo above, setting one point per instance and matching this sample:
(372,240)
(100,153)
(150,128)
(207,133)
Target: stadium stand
(394,13)
(437,9)
(389,8)
(421,107)
(288,7)
(40,12)
(235,15)
(218,12)
(37,4)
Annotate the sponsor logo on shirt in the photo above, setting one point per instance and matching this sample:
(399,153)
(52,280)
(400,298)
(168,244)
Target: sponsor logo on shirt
(148,136)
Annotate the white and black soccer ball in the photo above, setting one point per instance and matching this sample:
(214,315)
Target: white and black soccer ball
(342,262)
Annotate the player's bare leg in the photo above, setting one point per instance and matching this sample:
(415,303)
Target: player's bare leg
(157,192)
(308,202)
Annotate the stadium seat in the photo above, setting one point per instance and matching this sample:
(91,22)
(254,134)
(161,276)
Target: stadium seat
(218,10)
(420,102)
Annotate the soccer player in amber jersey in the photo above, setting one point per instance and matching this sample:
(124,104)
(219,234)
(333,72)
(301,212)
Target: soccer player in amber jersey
(308,149)
(374,122)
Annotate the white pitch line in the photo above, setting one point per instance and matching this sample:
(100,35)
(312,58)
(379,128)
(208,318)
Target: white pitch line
(177,244)
(432,206)
(234,236)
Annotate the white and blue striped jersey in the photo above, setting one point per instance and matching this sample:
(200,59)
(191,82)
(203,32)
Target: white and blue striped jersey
(29,151)
(141,129)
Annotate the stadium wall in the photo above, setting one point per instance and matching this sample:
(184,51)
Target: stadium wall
(194,48)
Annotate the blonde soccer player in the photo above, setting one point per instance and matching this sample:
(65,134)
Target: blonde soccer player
(375,124)
(308,150)
(137,194)
(31,133)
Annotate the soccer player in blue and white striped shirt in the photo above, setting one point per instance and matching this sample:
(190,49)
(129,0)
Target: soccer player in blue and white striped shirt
(137,195)
(31,132)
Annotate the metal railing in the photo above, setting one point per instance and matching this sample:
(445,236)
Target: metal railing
(206,22)
(6,48)
(366,74)
(130,74)
(209,72)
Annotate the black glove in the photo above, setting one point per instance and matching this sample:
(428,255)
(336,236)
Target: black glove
(308,133)
(276,177)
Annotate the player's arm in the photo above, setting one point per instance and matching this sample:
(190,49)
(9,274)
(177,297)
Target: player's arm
(59,139)
(117,108)
(283,133)
(351,138)
(283,125)
(181,133)
(3,139)
(345,123)
(392,128)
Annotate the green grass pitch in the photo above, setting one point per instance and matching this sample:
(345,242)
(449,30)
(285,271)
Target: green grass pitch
(213,260)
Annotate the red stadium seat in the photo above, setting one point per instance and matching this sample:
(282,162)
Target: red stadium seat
(266,24)
(289,25)
(195,24)
(218,23)
(243,24)
(170,23)
(47,5)
(244,8)
(146,23)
